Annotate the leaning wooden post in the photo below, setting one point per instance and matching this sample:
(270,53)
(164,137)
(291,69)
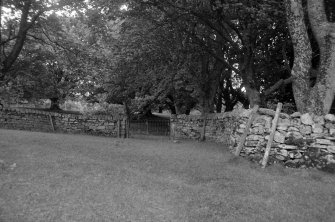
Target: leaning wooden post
(246,130)
(272,135)
(51,123)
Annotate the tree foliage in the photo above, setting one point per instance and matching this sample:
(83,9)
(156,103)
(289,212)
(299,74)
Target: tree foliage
(177,55)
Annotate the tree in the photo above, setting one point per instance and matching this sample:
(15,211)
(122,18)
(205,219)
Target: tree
(233,33)
(15,31)
(312,97)
(49,78)
(55,61)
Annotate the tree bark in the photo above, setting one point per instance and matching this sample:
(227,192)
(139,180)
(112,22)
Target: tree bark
(1,54)
(324,33)
(248,71)
(253,96)
(209,84)
(26,23)
(21,37)
(316,99)
(54,104)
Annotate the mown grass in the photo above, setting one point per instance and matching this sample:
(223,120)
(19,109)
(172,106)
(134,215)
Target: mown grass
(83,178)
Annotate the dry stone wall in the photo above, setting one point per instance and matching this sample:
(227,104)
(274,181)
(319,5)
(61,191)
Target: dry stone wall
(301,140)
(219,127)
(35,120)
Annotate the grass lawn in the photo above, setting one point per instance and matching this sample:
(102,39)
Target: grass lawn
(84,178)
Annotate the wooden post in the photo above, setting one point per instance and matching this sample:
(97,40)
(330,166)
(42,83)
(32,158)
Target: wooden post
(118,126)
(171,130)
(147,125)
(126,135)
(272,134)
(51,123)
(246,130)
(203,130)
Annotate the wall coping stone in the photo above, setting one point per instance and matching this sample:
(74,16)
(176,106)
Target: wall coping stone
(72,115)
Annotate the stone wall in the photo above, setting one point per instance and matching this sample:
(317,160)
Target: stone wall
(35,120)
(300,140)
(219,127)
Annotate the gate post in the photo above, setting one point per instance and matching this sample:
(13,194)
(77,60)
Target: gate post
(126,127)
(172,130)
(118,125)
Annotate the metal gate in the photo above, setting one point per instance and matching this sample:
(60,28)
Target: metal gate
(159,127)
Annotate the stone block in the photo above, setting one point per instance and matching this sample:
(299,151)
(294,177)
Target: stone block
(284,122)
(240,130)
(296,115)
(317,128)
(305,129)
(287,147)
(242,126)
(330,118)
(292,128)
(245,112)
(330,125)
(254,137)
(330,138)
(251,143)
(318,146)
(319,120)
(330,159)
(249,150)
(307,119)
(291,155)
(317,135)
(295,122)
(280,157)
(263,120)
(297,155)
(323,142)
(282,127)
(282,152)
(259,130)
(331,149)
(279,138)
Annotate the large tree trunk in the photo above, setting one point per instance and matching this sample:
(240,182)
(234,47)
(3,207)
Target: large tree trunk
(21,37)
(248,71)
(324,33)
(209,84)
(27,21)
(218,103)
(1,51)
(54,104)
(253,96)
(318,98)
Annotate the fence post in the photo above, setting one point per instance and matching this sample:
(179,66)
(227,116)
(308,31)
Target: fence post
(118,128)
(126,128)
(170,128)
(272,134)
(51,123)
(203,130)
(147,126)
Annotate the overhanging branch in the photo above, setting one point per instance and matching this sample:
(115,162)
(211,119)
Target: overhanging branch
(277,85)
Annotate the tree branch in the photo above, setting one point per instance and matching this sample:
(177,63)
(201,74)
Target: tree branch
(277,85)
